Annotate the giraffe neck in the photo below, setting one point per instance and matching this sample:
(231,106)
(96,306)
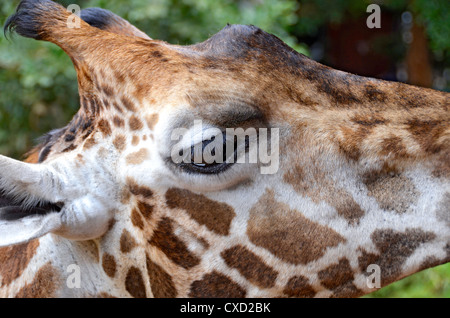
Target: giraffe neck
(122,264)
(374,123)
(382,163)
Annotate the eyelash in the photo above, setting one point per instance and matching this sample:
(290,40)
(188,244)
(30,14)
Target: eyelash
(213,168)
(209,168)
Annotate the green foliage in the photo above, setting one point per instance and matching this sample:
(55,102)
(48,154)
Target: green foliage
(38,90)
(435,15)
(191,21)
(38,85)
(431,283)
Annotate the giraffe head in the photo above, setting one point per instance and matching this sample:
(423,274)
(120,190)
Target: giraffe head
(124,173)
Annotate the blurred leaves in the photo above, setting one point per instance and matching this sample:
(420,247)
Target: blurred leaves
(435,15)
(431,283)
(38,85)
(191,21)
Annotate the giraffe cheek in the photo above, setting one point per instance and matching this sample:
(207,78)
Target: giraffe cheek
(85,219)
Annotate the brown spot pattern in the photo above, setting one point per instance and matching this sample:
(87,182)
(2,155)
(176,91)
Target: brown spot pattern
(352,140)
(107,90)
(175,249)
(141,90)
(111,224)
(118,122)
(427,133)
(393,146)
(135,123)
(393,193)
(91,249)
(299,287)
(216,285)
(137,189)
(109,265)
(160,282)
(44,284)
(145,208)
(336,88)
(134,283)
(287,233)
(152,120)
(216,216)
(318,187)
(374,94)
(15,259)
(128,104)
(127,242)
(346,206)
(135,140)
(136,219)
(250,266)
(394,249)
(89,143)
(118,107)
(339,279)
(119,142)
(104,127)
(369,120)
(138,157)
(69,148)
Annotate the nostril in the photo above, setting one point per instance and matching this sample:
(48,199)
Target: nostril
(51,207)
(10,204)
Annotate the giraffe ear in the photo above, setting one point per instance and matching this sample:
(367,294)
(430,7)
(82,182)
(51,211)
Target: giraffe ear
(49,21)
(19,226)
(88,40)
(23,214)
(108,21)
(36,192)
(31,184)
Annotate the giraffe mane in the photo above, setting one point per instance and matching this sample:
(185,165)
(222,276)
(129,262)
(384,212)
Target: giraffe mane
(248,41)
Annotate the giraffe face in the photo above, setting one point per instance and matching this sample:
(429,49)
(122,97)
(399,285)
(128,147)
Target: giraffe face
(120,168)
(117,154)
(192,170)
(123,97)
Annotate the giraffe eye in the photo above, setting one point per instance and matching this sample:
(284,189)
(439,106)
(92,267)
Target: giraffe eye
(210,157)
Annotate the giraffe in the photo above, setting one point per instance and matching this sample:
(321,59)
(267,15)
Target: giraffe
(363,174)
